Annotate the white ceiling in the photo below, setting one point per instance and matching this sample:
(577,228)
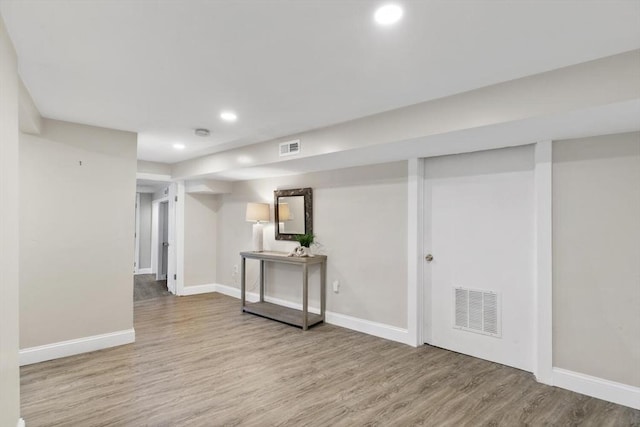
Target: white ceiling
(164,68)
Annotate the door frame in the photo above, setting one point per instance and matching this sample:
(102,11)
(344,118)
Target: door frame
(416,291)
(156,232)
(136,252)
(175,263)
(155,225)
(175,267)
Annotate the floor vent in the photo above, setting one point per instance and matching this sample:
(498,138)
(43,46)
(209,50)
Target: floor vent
(477,311)
(289,148)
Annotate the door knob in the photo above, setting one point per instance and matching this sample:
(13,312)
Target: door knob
(429,257)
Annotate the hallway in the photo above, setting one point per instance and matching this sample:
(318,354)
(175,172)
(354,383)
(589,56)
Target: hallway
(145,286)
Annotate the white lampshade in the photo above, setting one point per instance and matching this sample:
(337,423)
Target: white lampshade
(284,214)
(257,212)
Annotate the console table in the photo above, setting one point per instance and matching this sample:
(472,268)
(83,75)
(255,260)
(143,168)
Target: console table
(301,318)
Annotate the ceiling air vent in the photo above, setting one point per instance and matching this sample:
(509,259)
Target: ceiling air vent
(289,148)
(477,311)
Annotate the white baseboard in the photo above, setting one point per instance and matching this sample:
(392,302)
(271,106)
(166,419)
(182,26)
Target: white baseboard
(610,391)
(227,290)
(198,289)
(21,423)
(284,303)
(144,271)
(381,330)
(57,350)
(254,297)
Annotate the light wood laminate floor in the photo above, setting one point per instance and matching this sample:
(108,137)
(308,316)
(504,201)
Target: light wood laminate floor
(197,361)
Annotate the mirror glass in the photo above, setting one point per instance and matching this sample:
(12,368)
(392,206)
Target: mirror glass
(293,213)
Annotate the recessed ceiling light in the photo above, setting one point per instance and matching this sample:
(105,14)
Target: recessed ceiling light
(388,14)
(179,146)
(202,132)
(228,116)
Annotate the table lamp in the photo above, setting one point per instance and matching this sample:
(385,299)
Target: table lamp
(257,212)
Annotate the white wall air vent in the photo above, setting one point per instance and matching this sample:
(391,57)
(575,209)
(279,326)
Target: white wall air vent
(477,311)
(289,148)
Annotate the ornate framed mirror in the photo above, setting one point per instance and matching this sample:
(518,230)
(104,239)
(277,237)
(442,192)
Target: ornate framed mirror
(293,212)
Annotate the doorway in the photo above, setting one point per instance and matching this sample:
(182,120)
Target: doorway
(479,242)
(163,201)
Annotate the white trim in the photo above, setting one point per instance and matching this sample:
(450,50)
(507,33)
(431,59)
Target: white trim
(179,235)
(21,423)
(543,297)
(171,238)
(155,207)
(60,349)
(155,225)
(153,176)
(137,237)
(229,291)
(145,271)
(198,289)
(164,221)
(176,237)
(380,330)
(610,391)
(415,263)
(255,297)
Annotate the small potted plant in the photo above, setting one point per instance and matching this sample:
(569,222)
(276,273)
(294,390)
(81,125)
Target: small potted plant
(303,250)
(305,240)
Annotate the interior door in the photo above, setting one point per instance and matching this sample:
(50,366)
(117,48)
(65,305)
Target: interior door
(136,236)
(163,252)
(479,254)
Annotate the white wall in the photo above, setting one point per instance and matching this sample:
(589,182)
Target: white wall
(360,220)
(144,257)
(596,257)
(154,168)
(200,238)
(9,372)
(77,204)
(29,117)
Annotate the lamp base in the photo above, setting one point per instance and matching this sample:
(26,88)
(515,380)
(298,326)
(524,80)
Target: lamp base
(257,237)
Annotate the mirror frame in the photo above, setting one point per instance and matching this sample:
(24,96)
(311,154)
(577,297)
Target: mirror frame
(308,211)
